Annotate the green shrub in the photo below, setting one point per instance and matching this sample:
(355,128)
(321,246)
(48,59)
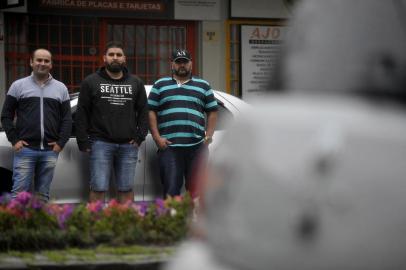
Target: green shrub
(28,224)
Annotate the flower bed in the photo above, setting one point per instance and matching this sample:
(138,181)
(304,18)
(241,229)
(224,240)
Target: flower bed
(28,224)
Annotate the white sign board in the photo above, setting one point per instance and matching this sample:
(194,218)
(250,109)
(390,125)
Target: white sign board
(266,9)
(260,47)
(203,10)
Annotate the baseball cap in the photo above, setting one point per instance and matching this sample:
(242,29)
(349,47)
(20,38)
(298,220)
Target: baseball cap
(181,54)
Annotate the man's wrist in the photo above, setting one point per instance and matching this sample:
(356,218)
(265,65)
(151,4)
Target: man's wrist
(156,137)
(208,139)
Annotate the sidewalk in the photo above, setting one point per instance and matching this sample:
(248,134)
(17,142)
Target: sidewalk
(96,259)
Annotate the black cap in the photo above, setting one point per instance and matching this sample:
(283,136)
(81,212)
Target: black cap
(181,54)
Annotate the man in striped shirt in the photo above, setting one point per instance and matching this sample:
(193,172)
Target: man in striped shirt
(178,105)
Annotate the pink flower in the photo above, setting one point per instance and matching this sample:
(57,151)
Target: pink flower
(23,197)
(14,204)
(95,207)
(160,202)
(160,207)
(36,203)
(66,212)
(113,203)
(141,208)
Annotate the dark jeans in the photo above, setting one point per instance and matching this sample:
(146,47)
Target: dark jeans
(180,163)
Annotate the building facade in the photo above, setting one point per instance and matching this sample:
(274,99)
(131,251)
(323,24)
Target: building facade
(75,31)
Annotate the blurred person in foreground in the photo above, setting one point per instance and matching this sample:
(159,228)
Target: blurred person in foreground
(177,109)
(40,104)
(322,182)
(111,124)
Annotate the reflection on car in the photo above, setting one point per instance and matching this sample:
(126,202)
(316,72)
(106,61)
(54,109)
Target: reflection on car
(70,182)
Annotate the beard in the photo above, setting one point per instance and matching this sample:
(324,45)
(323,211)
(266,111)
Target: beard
(41,72)
(114,67)
(182,72)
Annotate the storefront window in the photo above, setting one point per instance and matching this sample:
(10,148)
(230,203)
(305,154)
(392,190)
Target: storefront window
(77,44)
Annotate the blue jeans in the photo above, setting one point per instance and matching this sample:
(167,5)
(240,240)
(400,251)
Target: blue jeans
(38,164)
(107,157)
(177,164)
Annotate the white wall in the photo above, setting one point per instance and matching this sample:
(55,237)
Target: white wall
(213,54)
(270,9)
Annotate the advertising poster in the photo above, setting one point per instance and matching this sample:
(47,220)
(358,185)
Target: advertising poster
(260,47)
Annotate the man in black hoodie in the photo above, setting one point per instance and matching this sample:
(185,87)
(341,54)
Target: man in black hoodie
(111,123)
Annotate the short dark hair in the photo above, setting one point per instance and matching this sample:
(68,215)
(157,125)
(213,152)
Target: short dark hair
(113,44)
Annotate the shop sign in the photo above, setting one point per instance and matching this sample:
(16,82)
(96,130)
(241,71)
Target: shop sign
(104,8)
(260,48)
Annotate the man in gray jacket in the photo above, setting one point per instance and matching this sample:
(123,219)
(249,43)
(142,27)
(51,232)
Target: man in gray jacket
(42,107)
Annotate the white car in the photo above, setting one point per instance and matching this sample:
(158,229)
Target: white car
(71,180)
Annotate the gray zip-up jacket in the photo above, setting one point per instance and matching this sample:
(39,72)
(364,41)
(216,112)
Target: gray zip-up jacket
(43,113)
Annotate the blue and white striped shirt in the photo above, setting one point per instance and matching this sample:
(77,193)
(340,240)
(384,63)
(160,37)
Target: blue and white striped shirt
(181,109)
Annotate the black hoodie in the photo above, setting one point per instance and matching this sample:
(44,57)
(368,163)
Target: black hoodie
(111,110)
